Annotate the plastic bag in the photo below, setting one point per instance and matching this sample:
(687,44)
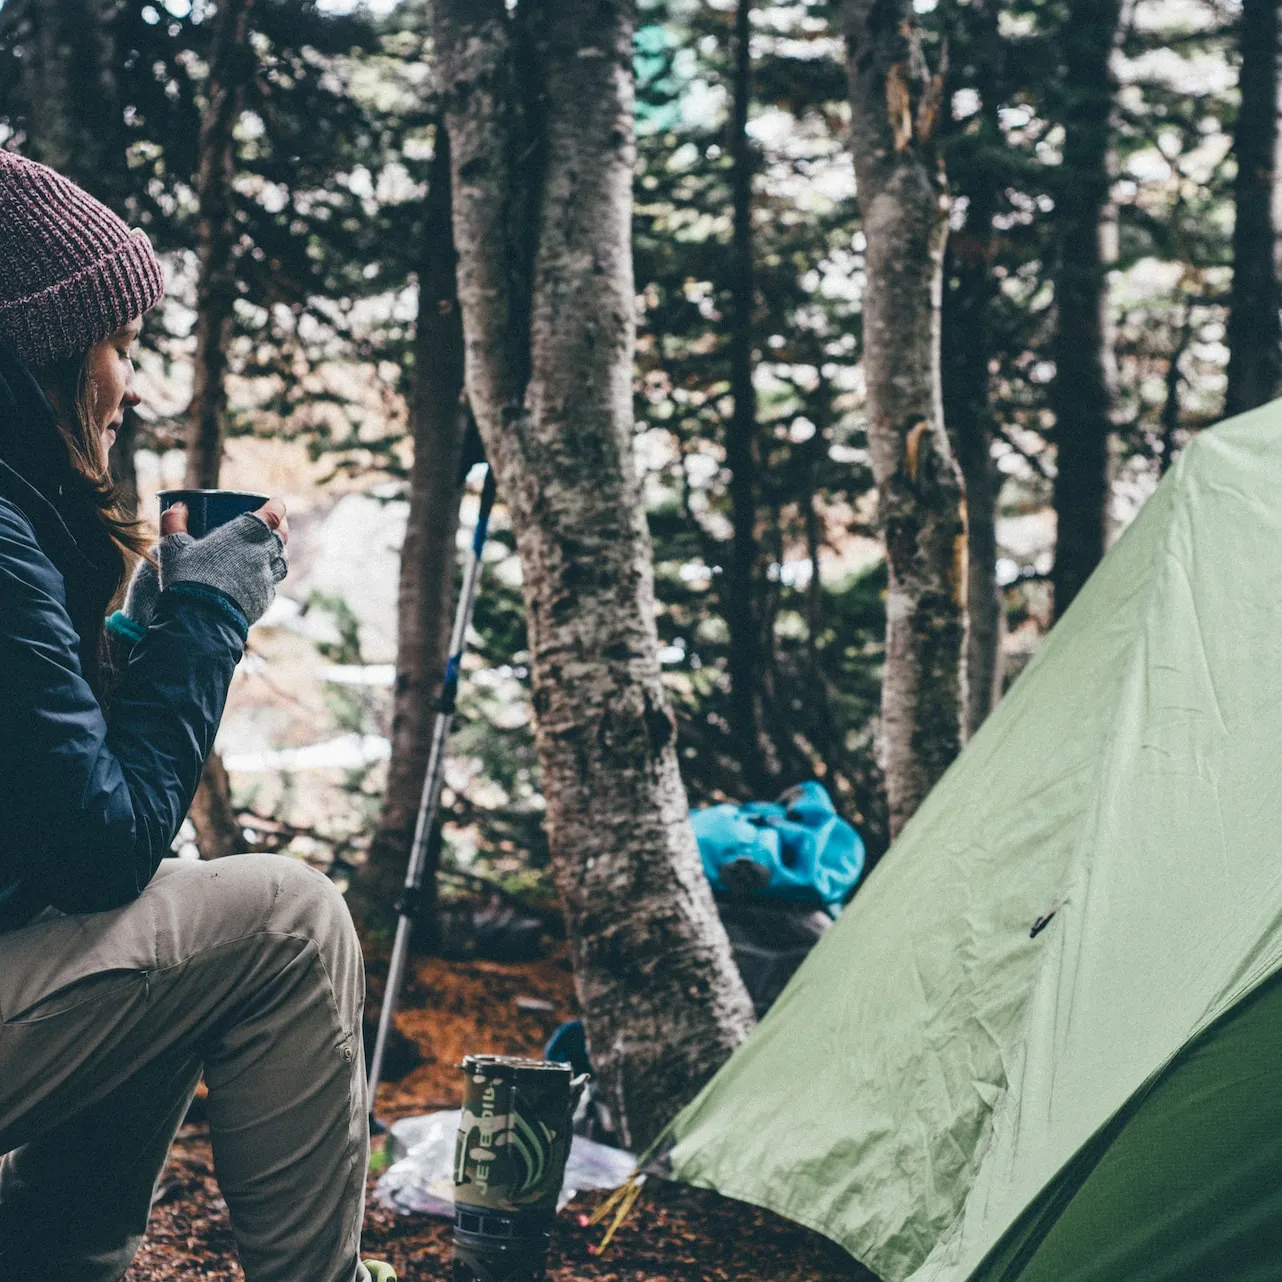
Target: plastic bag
(421,1176)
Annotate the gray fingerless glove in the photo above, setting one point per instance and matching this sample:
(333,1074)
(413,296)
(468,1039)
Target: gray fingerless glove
(143,593)
(244,558)
(129,624)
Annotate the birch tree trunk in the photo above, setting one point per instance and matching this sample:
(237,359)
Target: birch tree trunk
(894,104)
(1082,393)
(1255,354)
(540,116)
(212,813)
(428,557)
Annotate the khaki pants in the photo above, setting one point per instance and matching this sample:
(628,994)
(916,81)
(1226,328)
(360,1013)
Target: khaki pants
(246,969)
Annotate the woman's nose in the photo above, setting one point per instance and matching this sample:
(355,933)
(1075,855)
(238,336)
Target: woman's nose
(132,396)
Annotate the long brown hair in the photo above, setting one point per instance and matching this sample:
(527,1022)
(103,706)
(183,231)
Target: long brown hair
(67,385)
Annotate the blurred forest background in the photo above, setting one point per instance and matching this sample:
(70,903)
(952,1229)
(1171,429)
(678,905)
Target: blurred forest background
(1106,170)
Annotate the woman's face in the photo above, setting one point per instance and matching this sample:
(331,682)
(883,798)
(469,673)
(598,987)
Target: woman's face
(112,389)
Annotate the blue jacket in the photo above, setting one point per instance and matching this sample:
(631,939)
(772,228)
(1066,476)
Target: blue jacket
(89,802)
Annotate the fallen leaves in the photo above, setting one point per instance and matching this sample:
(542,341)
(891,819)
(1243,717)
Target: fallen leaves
(674,1234)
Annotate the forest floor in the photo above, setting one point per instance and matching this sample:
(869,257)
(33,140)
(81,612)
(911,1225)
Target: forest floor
(674,1234)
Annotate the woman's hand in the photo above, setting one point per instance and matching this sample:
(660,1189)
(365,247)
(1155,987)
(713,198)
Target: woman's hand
(173,520)
(243,559)
(143,593)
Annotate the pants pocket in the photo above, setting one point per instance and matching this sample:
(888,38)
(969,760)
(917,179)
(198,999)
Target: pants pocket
(101,986)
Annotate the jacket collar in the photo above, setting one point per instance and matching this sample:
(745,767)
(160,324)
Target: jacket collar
(51,530)
(29,440)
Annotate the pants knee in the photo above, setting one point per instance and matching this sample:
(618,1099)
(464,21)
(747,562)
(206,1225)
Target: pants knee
(198,906)
(308,903)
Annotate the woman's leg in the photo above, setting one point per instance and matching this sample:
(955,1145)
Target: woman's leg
(248,965)
(74,1203)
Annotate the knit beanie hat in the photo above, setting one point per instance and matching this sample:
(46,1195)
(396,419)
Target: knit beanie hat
(71,272)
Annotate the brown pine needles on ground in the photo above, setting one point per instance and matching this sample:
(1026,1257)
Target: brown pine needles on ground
(675,1233)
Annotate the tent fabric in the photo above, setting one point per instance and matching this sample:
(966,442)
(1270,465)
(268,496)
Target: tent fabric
(1185,1186)
(1093,883)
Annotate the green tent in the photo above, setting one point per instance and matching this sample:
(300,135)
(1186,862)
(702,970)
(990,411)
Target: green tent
(1043,1042)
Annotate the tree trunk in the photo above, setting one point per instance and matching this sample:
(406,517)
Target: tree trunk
(549,376)
(814,548)
(1171,405)
(229,66)
(894,102)
(212,812)
(428,558)
(76,119)
(966,398)
(1255,355)
(51,129)
(743,616)
(968,348)
(76,125)
(1082,392)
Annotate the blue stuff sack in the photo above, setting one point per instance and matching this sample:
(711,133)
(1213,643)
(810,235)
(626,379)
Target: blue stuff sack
(796,849)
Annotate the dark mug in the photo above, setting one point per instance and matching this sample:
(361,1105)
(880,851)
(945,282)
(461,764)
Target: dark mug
(208,509)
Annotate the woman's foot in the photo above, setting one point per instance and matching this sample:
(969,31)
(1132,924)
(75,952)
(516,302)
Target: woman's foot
(379,1272)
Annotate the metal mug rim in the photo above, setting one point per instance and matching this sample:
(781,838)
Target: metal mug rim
(191,489)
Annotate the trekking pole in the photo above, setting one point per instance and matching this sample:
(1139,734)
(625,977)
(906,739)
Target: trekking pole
(411,901)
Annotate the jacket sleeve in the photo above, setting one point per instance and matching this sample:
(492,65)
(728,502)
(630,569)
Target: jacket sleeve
(88,808)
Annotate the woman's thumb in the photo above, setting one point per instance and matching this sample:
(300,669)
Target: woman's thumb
(173,520)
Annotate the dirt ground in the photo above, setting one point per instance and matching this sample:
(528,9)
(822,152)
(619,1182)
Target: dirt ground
(675,1233)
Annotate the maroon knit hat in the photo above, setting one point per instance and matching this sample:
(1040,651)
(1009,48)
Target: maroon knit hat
(71,272)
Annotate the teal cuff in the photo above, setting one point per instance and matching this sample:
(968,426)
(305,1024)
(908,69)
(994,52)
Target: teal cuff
(123,626)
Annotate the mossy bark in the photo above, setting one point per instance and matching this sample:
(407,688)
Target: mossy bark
(540,112)
(895,101)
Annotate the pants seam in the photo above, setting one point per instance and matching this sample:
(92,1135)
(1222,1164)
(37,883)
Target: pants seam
(305,940)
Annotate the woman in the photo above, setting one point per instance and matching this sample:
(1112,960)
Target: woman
(125,975)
